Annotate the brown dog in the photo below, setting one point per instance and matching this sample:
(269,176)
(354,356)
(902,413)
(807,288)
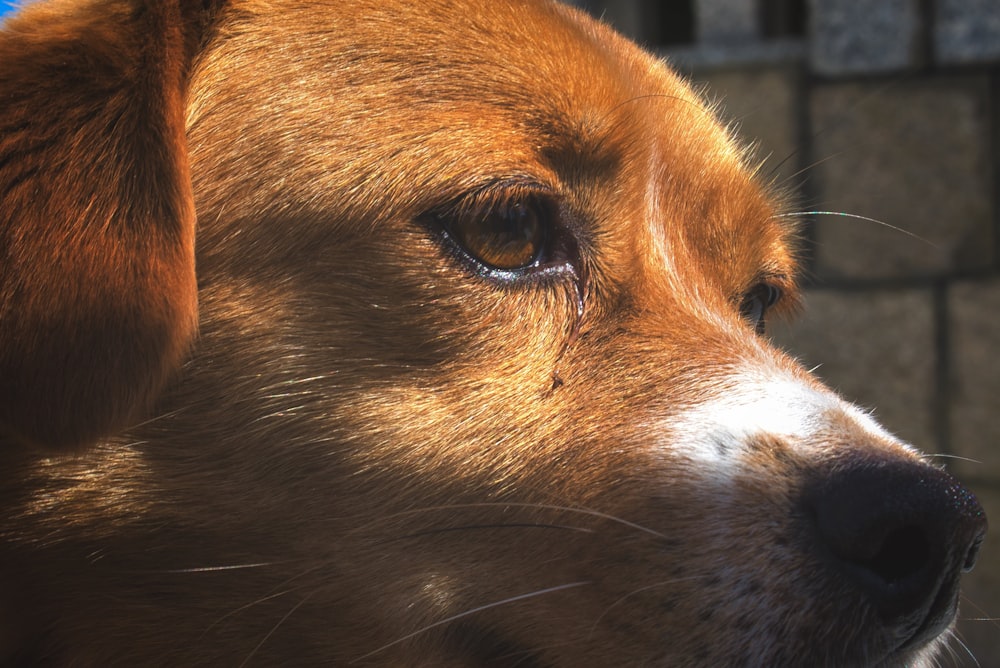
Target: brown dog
(478,380)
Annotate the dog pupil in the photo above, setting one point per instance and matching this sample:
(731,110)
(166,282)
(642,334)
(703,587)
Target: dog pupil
(508,237)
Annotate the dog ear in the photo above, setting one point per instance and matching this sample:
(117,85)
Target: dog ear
(98,297)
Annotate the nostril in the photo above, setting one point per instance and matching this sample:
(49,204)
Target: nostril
(903,554)
(973,554)
(892,559)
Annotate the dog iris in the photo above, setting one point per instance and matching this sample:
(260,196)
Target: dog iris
(508,236)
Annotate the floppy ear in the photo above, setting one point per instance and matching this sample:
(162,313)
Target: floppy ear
(98,298)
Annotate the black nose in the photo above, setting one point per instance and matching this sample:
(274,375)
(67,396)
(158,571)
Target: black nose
(901,533)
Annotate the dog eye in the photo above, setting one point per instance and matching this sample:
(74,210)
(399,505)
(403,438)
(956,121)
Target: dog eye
(511,231)
(756,302)
(508,236)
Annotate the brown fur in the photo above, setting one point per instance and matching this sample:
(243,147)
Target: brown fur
(368,437)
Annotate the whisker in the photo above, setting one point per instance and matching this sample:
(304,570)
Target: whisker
(537,506)
(245,606)
(495,604)
(662,583)
(823,130)
(985,618)
(272,594)
(941,455)
(947,651)
(803,170)
(215,569)
(660,96)
(154,419)
(275,628)
(954,636)
(855,216)
(525,525)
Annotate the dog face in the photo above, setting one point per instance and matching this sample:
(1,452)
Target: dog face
(480,379)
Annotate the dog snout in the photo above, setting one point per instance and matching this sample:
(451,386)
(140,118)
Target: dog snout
(900,533)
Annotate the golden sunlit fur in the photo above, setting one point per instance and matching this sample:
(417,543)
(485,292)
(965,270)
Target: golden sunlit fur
(375,450)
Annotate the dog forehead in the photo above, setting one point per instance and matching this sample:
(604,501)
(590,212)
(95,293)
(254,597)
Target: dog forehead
(512,75)
(550,66)
(437,90)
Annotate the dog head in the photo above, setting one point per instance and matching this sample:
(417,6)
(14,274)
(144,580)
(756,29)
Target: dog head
(481,376)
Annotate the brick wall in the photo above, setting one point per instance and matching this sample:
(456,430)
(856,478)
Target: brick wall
(888,110)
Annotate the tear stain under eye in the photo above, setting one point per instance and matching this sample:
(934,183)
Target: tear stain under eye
(579,296)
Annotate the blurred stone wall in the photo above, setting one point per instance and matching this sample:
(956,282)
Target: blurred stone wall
(888,110)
